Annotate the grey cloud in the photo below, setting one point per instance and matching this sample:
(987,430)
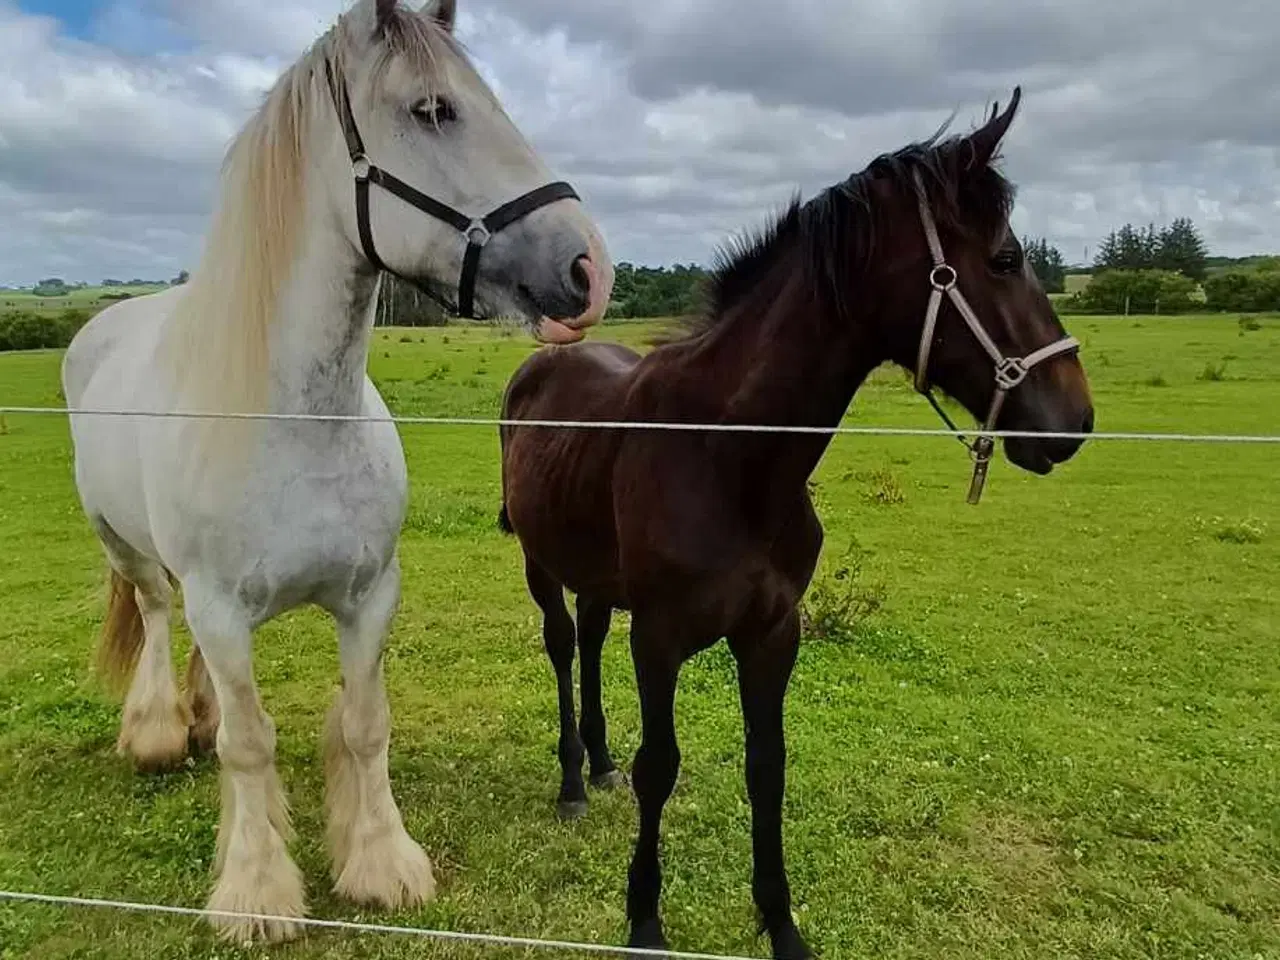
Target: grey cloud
(680,121)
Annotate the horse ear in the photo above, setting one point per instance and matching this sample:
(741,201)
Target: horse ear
(986,139)
(444,11)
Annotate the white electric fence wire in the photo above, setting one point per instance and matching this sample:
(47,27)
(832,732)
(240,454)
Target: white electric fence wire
(349,926)
(649,425)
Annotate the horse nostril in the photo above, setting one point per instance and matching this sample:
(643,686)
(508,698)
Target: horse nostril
(580,279)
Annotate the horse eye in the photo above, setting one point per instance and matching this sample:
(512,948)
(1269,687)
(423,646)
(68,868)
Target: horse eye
(435,111)
(1007,261)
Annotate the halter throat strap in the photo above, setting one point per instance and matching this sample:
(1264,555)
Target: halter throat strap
(1009,371)
(476,230)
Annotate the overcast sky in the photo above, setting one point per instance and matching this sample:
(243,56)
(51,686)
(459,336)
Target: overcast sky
(680,121)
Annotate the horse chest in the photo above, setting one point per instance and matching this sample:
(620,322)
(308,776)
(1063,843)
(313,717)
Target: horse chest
(309,527)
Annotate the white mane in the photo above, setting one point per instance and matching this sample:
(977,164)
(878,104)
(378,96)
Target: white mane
(218,340)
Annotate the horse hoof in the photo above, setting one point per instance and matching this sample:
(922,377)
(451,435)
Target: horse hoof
(613,780)
(789,945)
(648,935)
(571,809)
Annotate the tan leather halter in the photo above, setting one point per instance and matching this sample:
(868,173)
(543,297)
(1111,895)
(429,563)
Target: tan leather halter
(1009,371)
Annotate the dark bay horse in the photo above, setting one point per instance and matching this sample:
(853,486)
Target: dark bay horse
(704,536)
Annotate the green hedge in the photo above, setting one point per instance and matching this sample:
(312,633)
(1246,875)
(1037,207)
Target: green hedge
(40,331)
(1141,291)
(1244,291)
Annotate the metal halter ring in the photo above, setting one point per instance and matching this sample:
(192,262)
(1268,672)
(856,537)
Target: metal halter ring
(361,167)
(945,270)
(1010,372)
(478,234)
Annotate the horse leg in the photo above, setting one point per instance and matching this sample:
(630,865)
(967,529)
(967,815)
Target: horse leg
(653,774)
(558,637)
(766,656)
(374,860)
(153,724)
(254,871)
(593,628)
(203,704)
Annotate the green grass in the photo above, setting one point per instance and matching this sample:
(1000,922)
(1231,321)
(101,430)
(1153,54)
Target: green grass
(1054,731)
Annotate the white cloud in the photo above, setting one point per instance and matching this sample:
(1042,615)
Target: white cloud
(680,121)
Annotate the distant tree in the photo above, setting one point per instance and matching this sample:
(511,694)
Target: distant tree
(1177,248)
(1181,249)
(180,279)
(52,287)
(1108,254)
(401,304)
(1135,249)
(1046,260)
(656,291)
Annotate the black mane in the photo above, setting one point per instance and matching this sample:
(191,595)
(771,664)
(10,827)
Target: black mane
(837,228)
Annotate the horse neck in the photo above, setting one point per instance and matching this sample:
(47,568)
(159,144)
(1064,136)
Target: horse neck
(783,356)
(320,343)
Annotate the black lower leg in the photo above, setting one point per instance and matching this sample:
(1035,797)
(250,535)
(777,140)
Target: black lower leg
(653,776)
(558,636)
(593,628)
(764,669)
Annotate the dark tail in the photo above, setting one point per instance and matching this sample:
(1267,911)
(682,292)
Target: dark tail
(504,521)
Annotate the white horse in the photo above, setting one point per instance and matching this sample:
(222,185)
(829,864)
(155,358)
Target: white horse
(253,516)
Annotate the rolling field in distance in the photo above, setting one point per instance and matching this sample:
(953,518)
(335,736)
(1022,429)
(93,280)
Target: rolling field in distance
(1046,726)
(85,298)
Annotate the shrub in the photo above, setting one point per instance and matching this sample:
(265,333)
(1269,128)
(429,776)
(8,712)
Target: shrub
(1244,291)
(1142,291)
(837,605)
(35,331)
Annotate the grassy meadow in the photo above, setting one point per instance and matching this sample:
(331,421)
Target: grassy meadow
(83,298)
(1044,727)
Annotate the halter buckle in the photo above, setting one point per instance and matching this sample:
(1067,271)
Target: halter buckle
(478,234)
(940,271)
(1010,372)
(361,168)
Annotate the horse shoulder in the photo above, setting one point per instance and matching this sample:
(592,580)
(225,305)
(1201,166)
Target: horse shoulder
(123,332)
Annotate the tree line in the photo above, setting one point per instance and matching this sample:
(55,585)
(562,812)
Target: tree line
(1136,270)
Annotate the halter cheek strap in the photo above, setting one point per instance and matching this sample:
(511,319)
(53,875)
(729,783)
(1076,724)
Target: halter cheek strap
(477,231)
(1009,371)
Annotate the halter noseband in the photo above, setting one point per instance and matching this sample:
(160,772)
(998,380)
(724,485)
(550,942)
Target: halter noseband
(477,231)
(1009,371)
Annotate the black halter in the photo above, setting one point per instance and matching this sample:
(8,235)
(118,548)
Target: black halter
(476,230)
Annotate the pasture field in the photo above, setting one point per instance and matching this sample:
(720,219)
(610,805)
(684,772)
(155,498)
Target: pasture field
(1055,734)
(85,298)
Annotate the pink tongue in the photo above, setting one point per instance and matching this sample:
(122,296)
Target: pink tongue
(553,331)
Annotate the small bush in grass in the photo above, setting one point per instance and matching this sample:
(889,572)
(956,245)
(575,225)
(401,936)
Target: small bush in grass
(838,604)
(1213,372)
